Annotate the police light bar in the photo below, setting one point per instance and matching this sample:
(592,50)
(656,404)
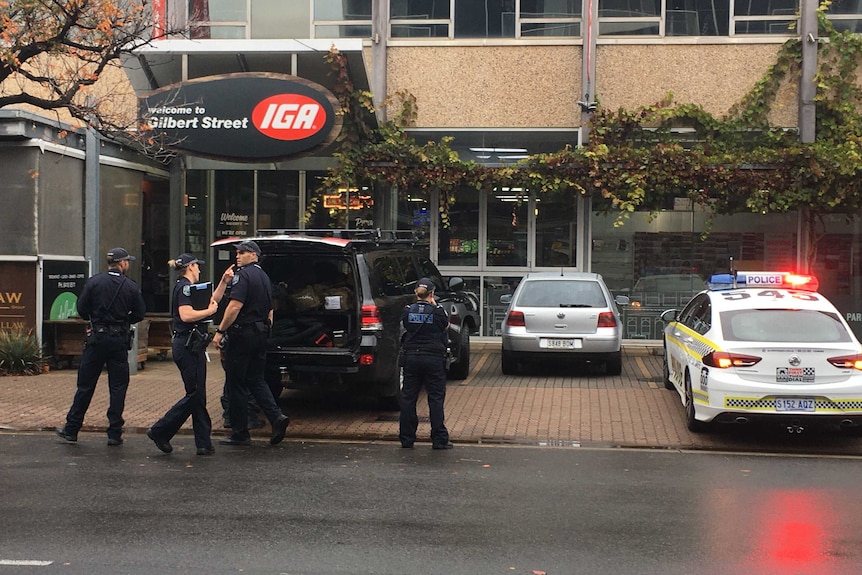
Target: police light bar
(783,280)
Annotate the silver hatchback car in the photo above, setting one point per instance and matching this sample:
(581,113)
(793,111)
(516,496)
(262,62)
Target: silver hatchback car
(562,315)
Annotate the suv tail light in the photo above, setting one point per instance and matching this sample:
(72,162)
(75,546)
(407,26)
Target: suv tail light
(515,319)
(371,317)
(723,360)
(847,361)
(607,319)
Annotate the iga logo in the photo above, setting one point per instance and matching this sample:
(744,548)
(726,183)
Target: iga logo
(288,117)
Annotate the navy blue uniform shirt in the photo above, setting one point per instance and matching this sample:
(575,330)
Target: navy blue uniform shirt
(253,288)
(98,304)
(425,326)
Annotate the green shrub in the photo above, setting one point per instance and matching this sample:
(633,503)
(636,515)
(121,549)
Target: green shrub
(20,353)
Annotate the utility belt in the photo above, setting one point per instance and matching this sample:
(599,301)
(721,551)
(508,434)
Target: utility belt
(252,326)
(436,353)
(195,339)
(111,329)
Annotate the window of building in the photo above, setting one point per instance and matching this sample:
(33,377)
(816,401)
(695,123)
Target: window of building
(342,18)
(459,240)
(218,18)
(846,15)
(550,18)
(419,18)
(277,200)
(485,19)
(507,228)
(269,19)
(556,231)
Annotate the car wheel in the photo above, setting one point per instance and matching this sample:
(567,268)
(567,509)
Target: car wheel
(668,384)
(614,366)
(509,365)
(691,422)
(461,368)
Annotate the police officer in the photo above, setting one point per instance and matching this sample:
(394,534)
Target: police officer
(190,336)
(424,344)
(246,323)
(111,302)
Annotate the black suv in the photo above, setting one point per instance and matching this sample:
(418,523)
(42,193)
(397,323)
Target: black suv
(337,301)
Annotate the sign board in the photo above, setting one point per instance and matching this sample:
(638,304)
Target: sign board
(17,295)
(62,282)
(245,117)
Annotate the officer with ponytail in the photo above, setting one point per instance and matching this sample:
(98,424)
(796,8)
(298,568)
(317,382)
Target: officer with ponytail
(189,342)
(423,346)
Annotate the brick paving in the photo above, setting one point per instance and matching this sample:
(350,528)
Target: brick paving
(565,405)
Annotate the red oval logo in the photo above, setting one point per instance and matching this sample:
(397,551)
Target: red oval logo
(288,117)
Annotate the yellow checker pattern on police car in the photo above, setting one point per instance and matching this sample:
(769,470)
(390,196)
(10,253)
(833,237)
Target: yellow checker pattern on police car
(820,404)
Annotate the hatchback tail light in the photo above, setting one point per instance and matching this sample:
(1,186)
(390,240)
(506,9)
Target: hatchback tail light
(515,319)
(847,361)
(607,319)
(723,360)
(371,317)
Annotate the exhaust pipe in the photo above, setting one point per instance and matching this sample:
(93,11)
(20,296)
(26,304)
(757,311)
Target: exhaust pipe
(741,420)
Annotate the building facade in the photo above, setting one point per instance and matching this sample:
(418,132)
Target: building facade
(504,79)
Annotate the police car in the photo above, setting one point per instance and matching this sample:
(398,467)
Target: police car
(763,345)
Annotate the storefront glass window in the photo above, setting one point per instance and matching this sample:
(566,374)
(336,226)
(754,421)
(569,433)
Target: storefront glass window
(661,262)
(277,200)
(196,241)
(556,231)
(234,203)
(414,214)
(328,209)
(494,309)
(459,240)
(507,228)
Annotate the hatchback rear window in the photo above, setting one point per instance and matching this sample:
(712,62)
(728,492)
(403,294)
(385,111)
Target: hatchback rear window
(561,293)
(783,325)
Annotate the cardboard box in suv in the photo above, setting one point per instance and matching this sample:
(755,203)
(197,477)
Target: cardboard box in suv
(337,302)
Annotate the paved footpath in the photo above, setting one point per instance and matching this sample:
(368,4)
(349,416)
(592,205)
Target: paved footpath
(555,406)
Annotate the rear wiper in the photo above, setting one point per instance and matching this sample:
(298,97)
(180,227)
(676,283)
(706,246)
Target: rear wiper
(575,305)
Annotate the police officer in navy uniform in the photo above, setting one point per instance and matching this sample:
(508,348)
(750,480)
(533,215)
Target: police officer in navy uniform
(111,302)
(246,325)
(424,345)
(190,358)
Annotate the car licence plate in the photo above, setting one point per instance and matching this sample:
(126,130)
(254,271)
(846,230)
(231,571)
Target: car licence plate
(794,404)
(548,343)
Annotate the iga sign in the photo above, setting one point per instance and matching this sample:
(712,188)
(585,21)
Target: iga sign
(243,117)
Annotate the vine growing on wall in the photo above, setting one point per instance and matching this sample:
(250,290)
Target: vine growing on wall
(634,159)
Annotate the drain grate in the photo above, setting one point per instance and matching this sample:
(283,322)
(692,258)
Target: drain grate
(394,418)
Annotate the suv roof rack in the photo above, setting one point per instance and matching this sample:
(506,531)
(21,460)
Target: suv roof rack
(376,235)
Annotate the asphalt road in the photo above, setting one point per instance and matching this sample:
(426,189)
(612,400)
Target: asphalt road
(306,508)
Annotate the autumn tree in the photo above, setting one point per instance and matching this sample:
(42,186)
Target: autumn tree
(64,56)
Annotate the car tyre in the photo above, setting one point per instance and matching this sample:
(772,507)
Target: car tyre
(614,366)
(668,384)
(691,422)
(461,368)
(508,365)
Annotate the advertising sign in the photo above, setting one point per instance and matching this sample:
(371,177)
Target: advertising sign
(245,117)
(62,283)
(17,295)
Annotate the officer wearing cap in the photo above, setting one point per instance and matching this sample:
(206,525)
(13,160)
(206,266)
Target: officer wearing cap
(424,344)
(246,324)
(190,337)
(111,302)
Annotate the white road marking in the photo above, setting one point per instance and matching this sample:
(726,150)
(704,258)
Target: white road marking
(31,563)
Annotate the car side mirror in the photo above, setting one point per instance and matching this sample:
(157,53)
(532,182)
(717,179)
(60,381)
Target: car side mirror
(506,298)
(669,315)
(456,284)
(622,300)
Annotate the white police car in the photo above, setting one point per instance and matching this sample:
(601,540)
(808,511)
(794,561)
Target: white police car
(763,345)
